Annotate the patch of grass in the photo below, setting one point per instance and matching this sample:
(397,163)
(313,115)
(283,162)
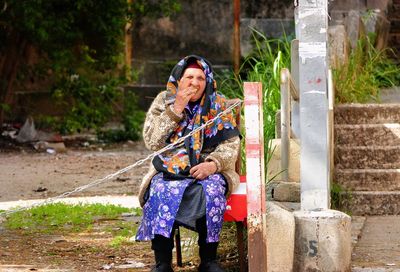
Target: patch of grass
(118,241)
(366,72)
(58,217)
(124,229)
(340,198)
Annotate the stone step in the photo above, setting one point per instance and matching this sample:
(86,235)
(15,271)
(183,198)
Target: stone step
(367,113)
(367,157)
(373,203)
(368,134)
(368,179)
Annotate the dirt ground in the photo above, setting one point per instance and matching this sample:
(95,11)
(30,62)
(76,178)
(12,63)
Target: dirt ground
(85,251)
(28,174)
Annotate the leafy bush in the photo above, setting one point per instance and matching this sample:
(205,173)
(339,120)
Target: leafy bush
(133,117)
(91,101)
(262,65)
(367,70)
(74,45)
(132,120)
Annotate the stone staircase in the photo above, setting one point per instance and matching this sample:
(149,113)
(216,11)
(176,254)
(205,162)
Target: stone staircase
(367,157)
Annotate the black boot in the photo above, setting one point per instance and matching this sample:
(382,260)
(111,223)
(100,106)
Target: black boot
(163,253)
(211,266)
(207,251)
(208,256)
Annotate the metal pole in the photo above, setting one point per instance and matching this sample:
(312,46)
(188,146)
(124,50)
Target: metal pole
(312,25)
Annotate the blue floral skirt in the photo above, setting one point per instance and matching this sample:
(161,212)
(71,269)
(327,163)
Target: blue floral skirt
(165,198)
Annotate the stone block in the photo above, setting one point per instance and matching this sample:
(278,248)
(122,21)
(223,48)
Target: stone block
(394,41)
(395,26)
(367,113)
(287,192)
(347,5)
(354,27)
(322,241)
(367,157)
(382,5)
(337,17)
(274,165)
(280,226)
(374,203)
(394,12)
(368,179)
(368,134)
(338,46)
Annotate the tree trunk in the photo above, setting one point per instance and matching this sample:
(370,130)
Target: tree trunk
(11,59)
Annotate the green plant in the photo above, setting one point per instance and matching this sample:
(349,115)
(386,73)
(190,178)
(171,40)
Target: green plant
(262,65)
(91,100)
(340,197)
(367,70)
(132,119)
(118,241)
(53,38)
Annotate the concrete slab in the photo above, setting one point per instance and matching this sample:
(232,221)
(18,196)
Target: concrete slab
(280,238)
(323,241)
(379,245)
(390,95)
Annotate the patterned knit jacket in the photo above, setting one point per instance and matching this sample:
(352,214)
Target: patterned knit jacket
(161,120)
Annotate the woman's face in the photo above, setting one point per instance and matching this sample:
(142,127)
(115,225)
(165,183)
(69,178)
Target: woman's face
(194,78)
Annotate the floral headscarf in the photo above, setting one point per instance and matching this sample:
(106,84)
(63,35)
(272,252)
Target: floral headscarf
(176,163)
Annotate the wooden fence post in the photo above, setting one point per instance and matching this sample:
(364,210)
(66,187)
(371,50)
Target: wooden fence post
(255,177)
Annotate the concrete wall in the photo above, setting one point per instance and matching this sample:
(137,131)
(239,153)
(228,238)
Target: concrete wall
(203,28)
(365,16)
(394,18)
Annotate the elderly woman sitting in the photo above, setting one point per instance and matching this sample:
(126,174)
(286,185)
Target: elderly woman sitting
(187,186)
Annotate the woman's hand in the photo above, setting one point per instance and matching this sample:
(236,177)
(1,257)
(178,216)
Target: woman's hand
(182,99)
(203,170)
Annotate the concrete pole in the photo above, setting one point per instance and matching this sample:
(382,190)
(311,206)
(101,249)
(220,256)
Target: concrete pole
(323,236)
(312,25)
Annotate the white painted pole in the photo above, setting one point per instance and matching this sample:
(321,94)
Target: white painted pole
(323,236)
(255,177)
(312,25)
